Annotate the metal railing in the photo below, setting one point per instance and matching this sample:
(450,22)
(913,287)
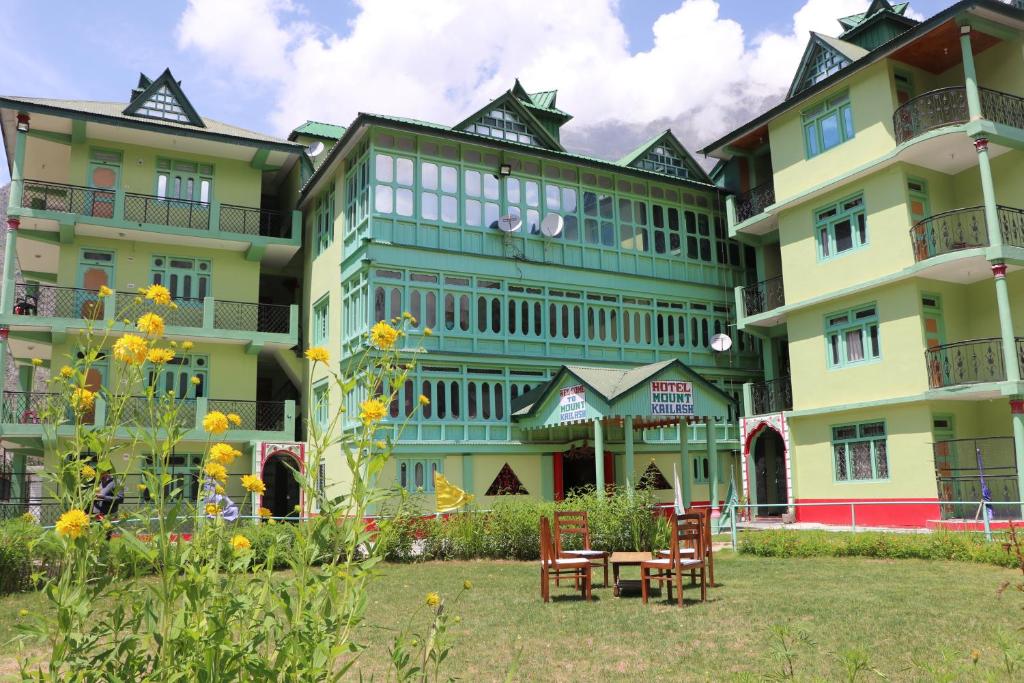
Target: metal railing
(179,213)
(773,396)
(763,296)
(41,195)
(137,412)
(263,416)
(188,311)
(973,361)
(34,407)
(965,228)
(1011,225)
(50,301)
(257,317)
(754,201)
(1002,107)
(948,106)
(249,221)
(959,478)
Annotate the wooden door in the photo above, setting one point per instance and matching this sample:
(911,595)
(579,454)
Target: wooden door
(103,179)
(95,270)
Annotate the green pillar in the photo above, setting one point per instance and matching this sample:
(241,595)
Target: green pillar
(684,461)
(1006,334)
(630,464)
(599,455)
(1017,417)
(10,257)
(18,164)
(467,472)
(25,375)
(4,331)
(19,483)
(970,75)
(988,193)
(712,445)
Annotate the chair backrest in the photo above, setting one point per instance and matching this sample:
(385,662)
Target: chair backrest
(687,532)
(705,514)
(547,549)
(571,522)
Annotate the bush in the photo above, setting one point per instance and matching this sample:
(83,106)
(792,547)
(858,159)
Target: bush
(16,537)
(941,545)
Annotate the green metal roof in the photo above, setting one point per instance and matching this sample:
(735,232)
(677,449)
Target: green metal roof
(667,137)
(318,129)
(876,6)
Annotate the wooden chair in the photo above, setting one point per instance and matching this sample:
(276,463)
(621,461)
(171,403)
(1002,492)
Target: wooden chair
(553,567)
(709,555)
(575,523)
(687,532)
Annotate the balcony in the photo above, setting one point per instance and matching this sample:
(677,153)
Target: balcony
(958,476)
(975,361)
(132,210)
(763,296)
(960,229)
(948,107)
(754,201)
(24,413)
(50,305)
(773,396)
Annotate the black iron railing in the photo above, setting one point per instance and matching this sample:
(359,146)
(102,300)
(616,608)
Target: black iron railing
(949,231)
(179,213)
(50,301)
(1011,225)
(1001,107)
(188,312)
(249,221)
(40,195)
(23,407)
(754,201)
(137,412)
(773,396)
(251,317)
(948,106)
(763,296)
(967,362)
(264,416)
(959,477)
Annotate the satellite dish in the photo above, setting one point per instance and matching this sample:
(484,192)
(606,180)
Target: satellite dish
(721,342)
(552,225)
(315,149)
(511,223)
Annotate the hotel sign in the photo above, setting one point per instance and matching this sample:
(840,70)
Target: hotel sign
(572,403)
(671,398)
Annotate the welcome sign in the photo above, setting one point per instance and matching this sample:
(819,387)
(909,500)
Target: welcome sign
(572,403)
(671,398)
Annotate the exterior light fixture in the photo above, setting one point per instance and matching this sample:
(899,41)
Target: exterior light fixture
(505,170)
(22,123)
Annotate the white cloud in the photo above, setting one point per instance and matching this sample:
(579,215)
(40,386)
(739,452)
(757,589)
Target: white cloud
(441,60)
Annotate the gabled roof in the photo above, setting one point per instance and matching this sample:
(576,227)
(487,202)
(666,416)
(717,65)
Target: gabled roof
(840,53)
(514,101)
(318,129)
(163,100)
(874,8)
(669,139)
(543,101)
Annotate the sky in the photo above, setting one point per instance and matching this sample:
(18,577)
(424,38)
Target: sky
(626,69)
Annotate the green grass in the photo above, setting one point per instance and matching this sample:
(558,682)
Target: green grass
(892,610)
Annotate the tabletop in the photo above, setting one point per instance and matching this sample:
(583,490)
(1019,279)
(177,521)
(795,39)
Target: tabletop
(629,557)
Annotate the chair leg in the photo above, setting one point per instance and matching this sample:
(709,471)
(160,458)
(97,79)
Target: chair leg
(606,571)
(545,586)
(668,589)
(711,568)
(643,584)
(703,585)
(588,579)
(679,580)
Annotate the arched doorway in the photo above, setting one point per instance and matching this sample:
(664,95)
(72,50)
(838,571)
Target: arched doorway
(283,493)
(769,470)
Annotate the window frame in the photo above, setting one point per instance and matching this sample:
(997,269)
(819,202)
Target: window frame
(859,438)
(428,481)
(838,105)
(871,346)
(318,392)
(825,224)
(321,331)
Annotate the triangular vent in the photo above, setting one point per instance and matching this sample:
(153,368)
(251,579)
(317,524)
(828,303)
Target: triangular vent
(505,124)
(652,478)
(507,484)
(819,62)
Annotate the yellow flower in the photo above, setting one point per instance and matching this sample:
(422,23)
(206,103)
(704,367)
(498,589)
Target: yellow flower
(223,453)
(383,336)
(23,612)
(88,472)
(240,543)
(212,509)
(215,470)
(160,356)
(37,362)
(427,332)
(235,419)
(218,489)
(173,306)
(141,487)
(28,517)
(131,349)
(158,294)
(379,445)
(317,354)
(73,523)
(297,508)
(105,291)
(253,484)
(433,599)
(82,398)
(265,513)
(67,372)
(215,422)
(424,401)
(150,324)
(187,345)
(195,380)
(371,410)
(467,585)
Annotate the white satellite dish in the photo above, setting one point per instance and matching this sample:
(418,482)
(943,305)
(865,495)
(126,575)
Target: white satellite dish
(511,223)
(315,148)
(721,342)
(552,225)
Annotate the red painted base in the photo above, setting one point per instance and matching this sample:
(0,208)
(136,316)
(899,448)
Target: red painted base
(970,524)
(877,513)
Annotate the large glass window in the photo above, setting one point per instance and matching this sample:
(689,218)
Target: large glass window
(439,195)
(841,227)
(852,337)
(324,217)
(828,124)
(859,452)
(393,186)
(822,64)
(502,122)
(321,406)
(186,180)
(321,321)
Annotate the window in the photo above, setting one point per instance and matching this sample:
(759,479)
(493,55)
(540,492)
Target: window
(321,407)
(828,124)
(393,185)
(823,63)
(503,123)
(852,337)
(324,217)
(418,475)
(841,227)
(663,159)
(163,105)
(321,317)
(701,469)
(176,375)
(859,452)
(439,198)
(481,190)
(184,180)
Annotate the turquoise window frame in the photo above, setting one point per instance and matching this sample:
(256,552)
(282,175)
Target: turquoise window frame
(839,326)
(321,400)
(324,221)
(201,172)
(429,465)
(828,220)
(818,133)
(846,438)
(701,469)
(321,320)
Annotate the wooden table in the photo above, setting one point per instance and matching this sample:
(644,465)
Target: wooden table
(625,559)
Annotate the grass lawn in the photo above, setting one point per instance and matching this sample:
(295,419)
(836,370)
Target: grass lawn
(892,610)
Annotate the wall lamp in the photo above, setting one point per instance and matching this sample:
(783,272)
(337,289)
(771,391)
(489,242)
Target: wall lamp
(22,123)
(505,170)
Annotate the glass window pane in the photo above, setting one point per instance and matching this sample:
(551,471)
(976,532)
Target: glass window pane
(840,462)
(881,460)
(830,131)
(428,205)
(490,186)
(854,345)
(403,202)
(848,122)
(384,168)
(811,136)
(383,199)
(844,236)
(449,209)
(428,175)
(473,212)
(860,460)
(404,174)
(473,183)
(449,179)
(512,191)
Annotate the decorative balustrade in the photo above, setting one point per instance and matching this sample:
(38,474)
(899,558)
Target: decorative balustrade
(245,220)
(958,475)
(50,301)
(263,416)
(763,296)
(139,413)
(772,396)
(948,106)
(754,201)
(21,407)
(974,361)
(257,317)
(1001,107)
(46,196)
(179,213)
(949,231)
(1011,225)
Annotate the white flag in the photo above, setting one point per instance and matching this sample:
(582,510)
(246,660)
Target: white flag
(679,489)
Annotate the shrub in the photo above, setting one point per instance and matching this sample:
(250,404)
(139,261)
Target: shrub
(16,537)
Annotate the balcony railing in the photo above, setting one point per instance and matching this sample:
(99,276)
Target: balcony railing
(754,201)
(959,477)
(974,361)
(28,407)
(948,106)
(151,210)
(961,229)
(263,416)
(773,396)
(137,413)
(763,296)
(71,303)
